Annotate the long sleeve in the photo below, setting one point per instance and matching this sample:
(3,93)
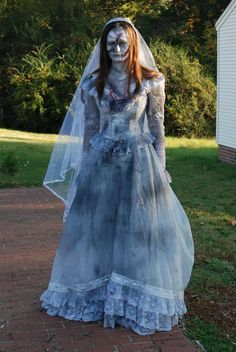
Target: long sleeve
(155,116)
(92,119)
(91,113)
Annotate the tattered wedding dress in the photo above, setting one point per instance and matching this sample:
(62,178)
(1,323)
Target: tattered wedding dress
(126,250)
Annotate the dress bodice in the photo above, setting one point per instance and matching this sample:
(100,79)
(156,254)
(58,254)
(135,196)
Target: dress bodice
(121,126)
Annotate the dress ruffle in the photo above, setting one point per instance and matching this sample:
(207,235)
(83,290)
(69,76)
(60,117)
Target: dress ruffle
(114,302)
(123,145)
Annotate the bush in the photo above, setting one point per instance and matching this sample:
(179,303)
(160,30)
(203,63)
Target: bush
(191,93)
(44,82)
(43,85)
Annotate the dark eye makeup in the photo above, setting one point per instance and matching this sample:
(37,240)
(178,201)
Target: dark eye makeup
(120,43)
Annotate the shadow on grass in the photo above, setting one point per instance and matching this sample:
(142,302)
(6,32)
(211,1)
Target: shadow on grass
(32,160)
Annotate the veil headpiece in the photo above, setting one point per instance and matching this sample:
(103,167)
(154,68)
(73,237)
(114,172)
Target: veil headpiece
(66,158)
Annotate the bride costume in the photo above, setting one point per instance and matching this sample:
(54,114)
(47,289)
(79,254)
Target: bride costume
(126,250)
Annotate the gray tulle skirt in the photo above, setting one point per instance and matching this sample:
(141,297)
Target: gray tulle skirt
(126,250)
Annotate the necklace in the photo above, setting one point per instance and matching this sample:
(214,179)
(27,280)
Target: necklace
(117,103)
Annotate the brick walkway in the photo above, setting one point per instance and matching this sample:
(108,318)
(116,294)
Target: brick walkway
(30,225)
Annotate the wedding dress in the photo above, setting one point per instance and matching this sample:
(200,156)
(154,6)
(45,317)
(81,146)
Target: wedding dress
(126,250)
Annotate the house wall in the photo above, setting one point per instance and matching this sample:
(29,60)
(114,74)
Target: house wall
(227,154)
(226,87)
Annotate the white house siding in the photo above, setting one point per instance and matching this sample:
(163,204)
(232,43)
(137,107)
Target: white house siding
(226,80)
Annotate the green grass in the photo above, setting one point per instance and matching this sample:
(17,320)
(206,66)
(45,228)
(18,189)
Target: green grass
(209,336)
(31,152)
(206,188)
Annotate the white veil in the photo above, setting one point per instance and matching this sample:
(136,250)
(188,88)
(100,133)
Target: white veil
(65,162)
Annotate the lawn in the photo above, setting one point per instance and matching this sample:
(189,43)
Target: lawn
(29,155)
(206,187)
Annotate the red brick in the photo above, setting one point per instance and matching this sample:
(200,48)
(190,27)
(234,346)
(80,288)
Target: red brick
(30,335)
(178,349)
(30,325)
(137,338)
(227,154)
(181,342)
(162,336)
(120,340)
(6,335)
(104,348)
(15,348)
(30,232)
(135,347)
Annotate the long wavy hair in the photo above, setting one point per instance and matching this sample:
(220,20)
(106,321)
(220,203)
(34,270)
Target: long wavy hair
(134,68)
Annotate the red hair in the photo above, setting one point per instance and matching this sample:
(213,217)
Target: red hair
(134,68)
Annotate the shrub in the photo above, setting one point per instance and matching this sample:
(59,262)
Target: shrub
(44,82)
(43,85)
(190,92)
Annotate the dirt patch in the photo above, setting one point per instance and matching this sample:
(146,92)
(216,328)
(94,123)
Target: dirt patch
(221,311)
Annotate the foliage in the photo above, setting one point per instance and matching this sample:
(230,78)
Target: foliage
(42,84)
(191,93)
(191,24)
(61,31)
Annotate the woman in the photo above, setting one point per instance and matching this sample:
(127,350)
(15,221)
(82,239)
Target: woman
(126,250)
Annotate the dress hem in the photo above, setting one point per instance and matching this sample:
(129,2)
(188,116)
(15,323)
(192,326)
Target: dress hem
(119,301)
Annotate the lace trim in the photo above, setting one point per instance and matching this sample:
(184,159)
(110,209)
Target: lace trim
(117,299)
(122,280)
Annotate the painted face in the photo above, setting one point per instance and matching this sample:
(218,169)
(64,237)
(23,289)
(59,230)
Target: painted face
(117,44)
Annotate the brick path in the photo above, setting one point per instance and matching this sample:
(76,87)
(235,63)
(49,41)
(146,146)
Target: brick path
(30,225)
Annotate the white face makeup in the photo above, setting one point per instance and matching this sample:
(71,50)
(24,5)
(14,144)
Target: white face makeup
(117,44)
